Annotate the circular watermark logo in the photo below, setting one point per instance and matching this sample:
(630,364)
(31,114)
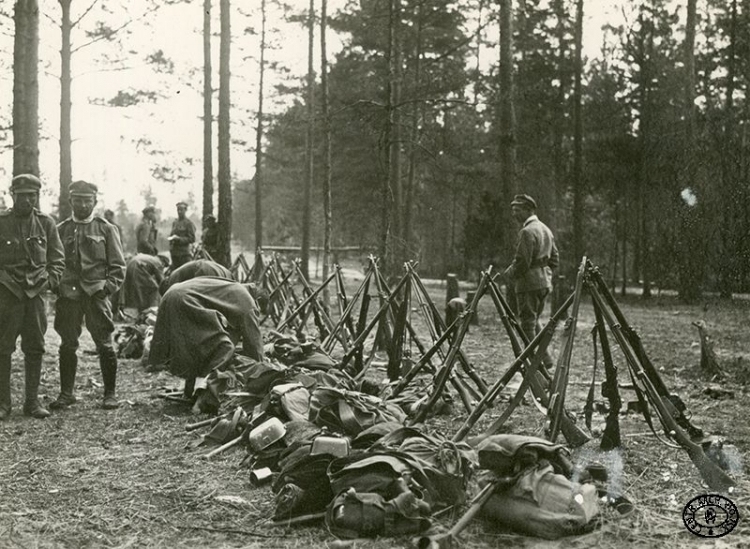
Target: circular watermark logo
(710,516)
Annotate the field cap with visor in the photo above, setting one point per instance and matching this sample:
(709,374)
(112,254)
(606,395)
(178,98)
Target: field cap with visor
(82,188)
(25,183)
(525,201)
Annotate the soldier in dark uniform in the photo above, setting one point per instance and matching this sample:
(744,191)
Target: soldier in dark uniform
(531,270)
(109,215)
(94,270)
(145,232)
(181,237)
(210,237)
(31,261)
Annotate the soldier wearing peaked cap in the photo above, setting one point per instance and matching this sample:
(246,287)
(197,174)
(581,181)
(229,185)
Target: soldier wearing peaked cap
(181,238)
(531,270)
(94,270)
(31,261)
(210,237)
(146,233)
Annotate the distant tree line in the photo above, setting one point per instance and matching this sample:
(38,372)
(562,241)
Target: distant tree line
(638,157)
(412,141)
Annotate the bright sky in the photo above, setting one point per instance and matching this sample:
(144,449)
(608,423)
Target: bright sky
(108,147)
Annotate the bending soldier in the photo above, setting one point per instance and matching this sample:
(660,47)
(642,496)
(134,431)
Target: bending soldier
(181,237)
(31,261)
(94,270)
(195,269)
(143,277)
(531,270)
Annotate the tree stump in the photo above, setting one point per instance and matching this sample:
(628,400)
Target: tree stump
(452,287)
(709,362)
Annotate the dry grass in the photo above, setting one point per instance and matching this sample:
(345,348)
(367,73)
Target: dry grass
(131,477)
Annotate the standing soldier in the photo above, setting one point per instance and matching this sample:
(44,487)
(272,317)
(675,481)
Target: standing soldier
(94,270)
(145,232)
(109,215)
(531,269)
(210,237)
(181,237)
(31,261)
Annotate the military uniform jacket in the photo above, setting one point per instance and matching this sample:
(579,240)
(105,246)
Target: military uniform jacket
(183,233)
(145,234)
(93,257)
(31,255)
(536,256)
(210,241)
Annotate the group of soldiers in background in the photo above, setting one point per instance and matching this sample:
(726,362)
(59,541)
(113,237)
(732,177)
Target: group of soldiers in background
(81,261)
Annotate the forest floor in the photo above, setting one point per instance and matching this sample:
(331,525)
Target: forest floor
(87,477)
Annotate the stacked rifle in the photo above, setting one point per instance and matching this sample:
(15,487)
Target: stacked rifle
(657,403)
(379,320)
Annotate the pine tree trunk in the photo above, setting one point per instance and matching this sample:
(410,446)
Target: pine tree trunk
(644,227)
(225,171)
(26,88)
(691,262)
(328,214)
(394,145)
(259,134)
(208,148)
(507,121)
(727,264)
(309,144)
(578,181)
(414,134)
(66,161)
(559,128)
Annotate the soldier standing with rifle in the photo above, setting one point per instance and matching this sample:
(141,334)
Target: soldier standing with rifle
(531,270)
(181,237)
(94,270)
(31,261)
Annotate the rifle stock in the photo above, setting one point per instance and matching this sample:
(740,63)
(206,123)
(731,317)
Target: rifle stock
(446,540)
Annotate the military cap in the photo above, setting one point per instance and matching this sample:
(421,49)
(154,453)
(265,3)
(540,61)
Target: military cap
(524,200)
(148,209)
(209,217)
(82,188)
(25,183)
(182,204)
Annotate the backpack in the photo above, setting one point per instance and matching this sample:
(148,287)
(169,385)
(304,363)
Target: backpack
(545,504)
(350,412)
(447,464)
(358,515)
(540,499)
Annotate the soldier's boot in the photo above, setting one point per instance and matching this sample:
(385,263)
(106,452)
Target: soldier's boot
(4,387)
(32,407)
(108,365)
(68,367)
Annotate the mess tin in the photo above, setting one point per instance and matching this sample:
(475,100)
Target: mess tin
(265,434)
(335,446)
